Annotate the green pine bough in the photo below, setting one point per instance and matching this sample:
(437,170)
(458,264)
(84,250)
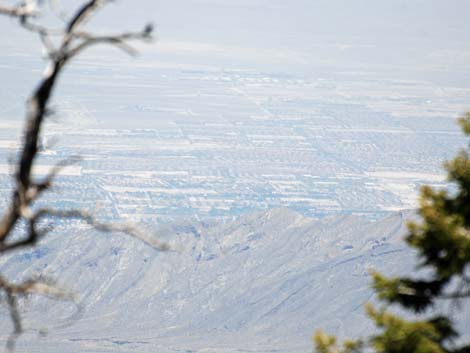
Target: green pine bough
(442,241)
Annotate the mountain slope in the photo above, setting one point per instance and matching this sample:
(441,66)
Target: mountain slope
(266,279)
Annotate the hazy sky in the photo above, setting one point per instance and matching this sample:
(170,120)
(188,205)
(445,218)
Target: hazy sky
(408,39)
(344,32)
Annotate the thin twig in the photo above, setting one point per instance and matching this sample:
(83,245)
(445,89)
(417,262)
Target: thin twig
(26,190)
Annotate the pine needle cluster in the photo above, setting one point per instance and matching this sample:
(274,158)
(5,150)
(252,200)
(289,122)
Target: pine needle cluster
(442,241)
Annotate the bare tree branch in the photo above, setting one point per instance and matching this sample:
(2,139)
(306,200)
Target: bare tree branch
(30,286)
(26,190)
(83,14)
(26,9)
(15,319)
(120,41)
(34,234)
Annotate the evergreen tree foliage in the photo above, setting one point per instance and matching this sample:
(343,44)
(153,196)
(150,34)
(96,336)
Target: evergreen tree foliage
(442,241)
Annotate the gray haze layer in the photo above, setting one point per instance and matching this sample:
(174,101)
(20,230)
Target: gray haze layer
(329,108)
